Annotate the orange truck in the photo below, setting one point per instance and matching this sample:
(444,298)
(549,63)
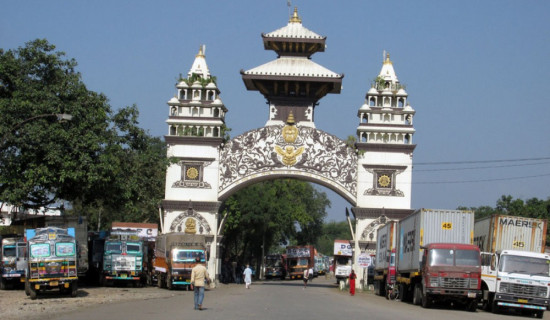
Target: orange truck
(175,256)
(299,258)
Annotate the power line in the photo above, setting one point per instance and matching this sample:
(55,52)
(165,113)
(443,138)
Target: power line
(483,167)
(484,180)
(479,161)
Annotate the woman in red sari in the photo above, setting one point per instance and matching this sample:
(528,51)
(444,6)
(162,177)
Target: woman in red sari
(352,277)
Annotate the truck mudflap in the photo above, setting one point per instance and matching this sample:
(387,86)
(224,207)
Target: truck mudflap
(511,301)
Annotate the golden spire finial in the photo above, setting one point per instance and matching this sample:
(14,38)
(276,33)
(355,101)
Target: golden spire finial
(295,17)
(290,119)
(387,61)
(201,53)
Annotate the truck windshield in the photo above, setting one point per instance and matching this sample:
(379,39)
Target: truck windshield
(64,249)
(343,261)
(450,257)
(9,251)
(113,247)
(273,262)
(522,264)
(40,250)
(133,247)
(187,255)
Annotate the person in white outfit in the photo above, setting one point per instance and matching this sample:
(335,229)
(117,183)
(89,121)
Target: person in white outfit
(247,276)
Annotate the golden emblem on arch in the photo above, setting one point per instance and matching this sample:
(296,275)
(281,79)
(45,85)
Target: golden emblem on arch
(289,154)
(290,132)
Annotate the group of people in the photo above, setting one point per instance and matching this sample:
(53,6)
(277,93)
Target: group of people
(200,278)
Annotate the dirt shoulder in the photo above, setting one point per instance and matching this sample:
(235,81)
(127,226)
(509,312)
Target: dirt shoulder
(14,304)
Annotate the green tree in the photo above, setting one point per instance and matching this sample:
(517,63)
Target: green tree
(99,162)
(271,214)
(332,231)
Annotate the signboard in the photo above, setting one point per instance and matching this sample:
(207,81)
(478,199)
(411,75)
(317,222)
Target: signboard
(342,248)
(364,260)
(301,252)
(145,233)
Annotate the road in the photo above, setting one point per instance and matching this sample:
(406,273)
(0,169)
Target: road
(276,300)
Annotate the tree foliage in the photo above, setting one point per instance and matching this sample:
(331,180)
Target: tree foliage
(273,214)
(98,161)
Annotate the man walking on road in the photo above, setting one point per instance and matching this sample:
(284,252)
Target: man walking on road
(247,276)
(199,278)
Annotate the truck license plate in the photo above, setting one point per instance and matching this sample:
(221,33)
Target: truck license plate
(123,276)
(523,300)
(471,294)
(54,283)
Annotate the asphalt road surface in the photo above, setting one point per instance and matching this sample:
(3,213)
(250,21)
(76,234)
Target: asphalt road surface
(277,300)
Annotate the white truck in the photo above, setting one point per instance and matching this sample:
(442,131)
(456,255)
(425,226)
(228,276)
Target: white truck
(384,270)
(515,269)
(342,259)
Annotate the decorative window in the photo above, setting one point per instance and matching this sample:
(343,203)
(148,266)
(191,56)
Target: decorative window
(384,180)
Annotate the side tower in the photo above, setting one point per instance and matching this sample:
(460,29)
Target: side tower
(196,128)
(384,140)
(292,83)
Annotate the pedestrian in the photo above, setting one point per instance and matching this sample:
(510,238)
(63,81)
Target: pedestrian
(352,277)
(247,273)
(310,271)
(306,277)
(199,278)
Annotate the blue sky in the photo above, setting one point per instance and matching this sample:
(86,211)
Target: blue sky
(477,74)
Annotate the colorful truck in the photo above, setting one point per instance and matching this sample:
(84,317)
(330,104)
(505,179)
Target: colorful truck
(384,265)
(175,256)
(275,266)
(13,261)
(515,269)
(123,259)
(52,261)
(436,258)
(299,258)
(343,255)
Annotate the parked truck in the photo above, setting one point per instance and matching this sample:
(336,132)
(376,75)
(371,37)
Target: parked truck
(13,261)
(515,269)
(123,259)
(342,261)
(52,261)
(275,266)
(384,261)
(175,256)
(299,258)
(436,258)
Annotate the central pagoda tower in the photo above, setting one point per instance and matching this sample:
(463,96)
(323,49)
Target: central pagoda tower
(292,83)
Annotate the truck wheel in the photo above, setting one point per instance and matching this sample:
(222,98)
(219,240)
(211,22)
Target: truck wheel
(27,288)
(471,305)
(539,314)
(74,289)
(2,284)
(494,306)
(33,293)
(401,292)
(169,282)
(417,295)
(426,301)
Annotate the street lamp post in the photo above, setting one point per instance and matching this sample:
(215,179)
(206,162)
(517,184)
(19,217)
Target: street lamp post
(61,117)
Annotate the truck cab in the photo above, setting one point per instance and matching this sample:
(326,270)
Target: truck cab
(516,279)
(123,259)
(342,267)
(450,271)
(13,261)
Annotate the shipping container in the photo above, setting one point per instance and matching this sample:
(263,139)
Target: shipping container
(385,243)
(504,232)
(427,226)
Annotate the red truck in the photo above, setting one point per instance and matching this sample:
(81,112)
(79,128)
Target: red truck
(299,258)
(436,258)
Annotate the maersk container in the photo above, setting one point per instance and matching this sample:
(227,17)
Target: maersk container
(503,232)
(385,243)
(427,226)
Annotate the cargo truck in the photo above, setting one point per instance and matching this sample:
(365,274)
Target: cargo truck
(13,261)
(343,255)
(436,258)
(515,269)
(123,259)
(175,256)
(52,261)
(275,266)
(384,263)
(299,258)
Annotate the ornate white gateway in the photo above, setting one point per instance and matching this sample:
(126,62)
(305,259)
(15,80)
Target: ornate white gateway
(374,175)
